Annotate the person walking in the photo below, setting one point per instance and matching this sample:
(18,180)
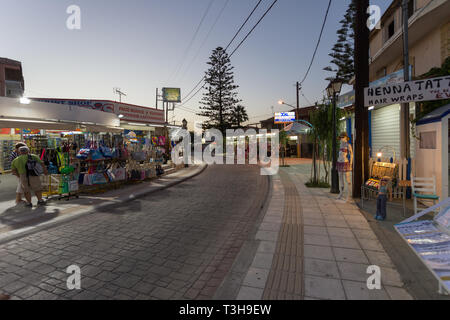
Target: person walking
(12,157)
(30,181)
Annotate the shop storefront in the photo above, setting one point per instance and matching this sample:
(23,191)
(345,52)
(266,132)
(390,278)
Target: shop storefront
(84,150)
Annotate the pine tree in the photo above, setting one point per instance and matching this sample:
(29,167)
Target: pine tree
(343,51)
(238,116)
(220,97)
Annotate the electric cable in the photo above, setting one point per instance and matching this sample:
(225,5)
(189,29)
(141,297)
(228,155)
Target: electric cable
(177,70)
(318,42)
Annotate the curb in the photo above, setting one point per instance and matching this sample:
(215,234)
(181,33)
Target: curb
(19,233)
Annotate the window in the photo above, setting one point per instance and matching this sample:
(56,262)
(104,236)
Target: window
(411,8)
(428,140)
(391,30)
(381,73)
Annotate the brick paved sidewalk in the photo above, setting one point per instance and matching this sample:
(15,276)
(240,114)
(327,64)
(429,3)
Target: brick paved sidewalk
(313,247)
(17,220)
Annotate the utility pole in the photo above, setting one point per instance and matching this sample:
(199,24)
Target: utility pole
(298,117)
(361,149)
(404,110)
(120,93)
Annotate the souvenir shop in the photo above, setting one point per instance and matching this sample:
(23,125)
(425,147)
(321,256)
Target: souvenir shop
(86,157)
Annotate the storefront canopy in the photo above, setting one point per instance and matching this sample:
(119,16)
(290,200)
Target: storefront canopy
(36,124)
(296,128)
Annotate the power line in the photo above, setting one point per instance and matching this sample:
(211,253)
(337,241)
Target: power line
(248,34)
(318,42)
(242,26)
(238,46)
(177,70)
(206,39)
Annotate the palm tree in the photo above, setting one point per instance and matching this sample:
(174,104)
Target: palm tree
(239,115)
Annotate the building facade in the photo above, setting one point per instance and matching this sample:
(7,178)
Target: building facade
(12,83)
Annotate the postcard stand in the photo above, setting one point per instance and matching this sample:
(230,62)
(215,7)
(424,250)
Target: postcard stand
(430,241)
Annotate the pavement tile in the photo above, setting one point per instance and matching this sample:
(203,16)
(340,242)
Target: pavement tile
(314,239)
(344,242)
(256,278)
(324,288)
(398,293)
(162,293)
(368,244)
(263,261)
(267,247)
(270,226)
(340,232)
(249,293)
(313,222)
(350,255)
(318,252)
(315,230)
(359,291)
(391,277)
(353,271)
(338,223)
(364,234)
(379,258)
(266,235)
(321,268)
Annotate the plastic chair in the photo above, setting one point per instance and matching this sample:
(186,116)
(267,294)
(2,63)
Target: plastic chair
(424,189)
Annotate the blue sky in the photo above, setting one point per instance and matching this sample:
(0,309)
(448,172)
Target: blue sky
(137,45)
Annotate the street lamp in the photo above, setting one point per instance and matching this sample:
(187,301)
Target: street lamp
(333,90)
(281,102)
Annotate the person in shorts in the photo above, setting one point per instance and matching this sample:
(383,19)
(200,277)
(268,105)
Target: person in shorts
(29,183)
(12,157)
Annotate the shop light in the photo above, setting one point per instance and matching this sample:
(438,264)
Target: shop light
(137,124)
(371,108)
(25,100)
(120,116)
(379,155)
(342,119)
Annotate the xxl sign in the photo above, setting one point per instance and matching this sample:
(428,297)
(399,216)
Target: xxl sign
(284,117)
(411,91)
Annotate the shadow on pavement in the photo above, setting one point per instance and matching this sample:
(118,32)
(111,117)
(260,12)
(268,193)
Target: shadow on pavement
(19,216)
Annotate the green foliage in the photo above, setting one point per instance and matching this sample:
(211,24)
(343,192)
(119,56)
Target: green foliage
(220,97)
(342,53)
(426,107)
(284,138)
(319,184)
(238,116)
(322,121)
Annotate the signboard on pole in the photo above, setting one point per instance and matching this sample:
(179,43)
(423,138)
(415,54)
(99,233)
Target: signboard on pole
(172,95)
(284,117)
(348,99)
(411,91)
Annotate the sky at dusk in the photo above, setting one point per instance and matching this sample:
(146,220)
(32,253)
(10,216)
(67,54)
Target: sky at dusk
(140,45)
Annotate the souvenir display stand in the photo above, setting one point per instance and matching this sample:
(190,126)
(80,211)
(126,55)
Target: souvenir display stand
(379,170)
(86,162)
(430,241)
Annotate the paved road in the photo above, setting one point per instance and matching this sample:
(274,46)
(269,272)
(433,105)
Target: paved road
(176,244)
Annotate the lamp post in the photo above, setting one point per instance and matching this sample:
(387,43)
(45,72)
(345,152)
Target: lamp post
(333,90)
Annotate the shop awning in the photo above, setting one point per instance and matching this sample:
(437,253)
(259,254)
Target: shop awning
(296,128)
(36,124)
(98,128)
